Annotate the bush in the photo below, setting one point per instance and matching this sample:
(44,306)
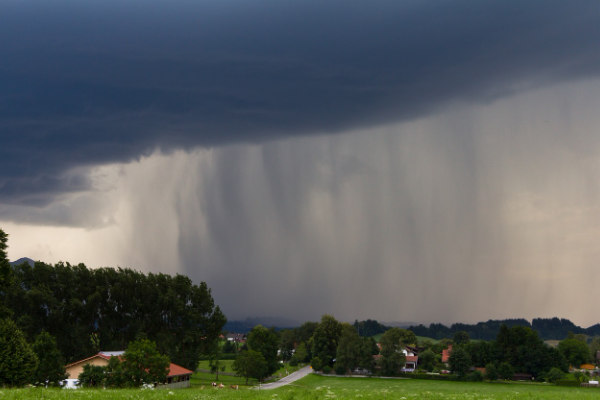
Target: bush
(475,376)
(17,359)
(293,362)
(327,369)
(555,375)
(340,370)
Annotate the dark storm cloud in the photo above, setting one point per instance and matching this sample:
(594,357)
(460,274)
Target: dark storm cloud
(91,83)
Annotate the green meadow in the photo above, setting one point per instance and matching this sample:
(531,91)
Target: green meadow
(316,387)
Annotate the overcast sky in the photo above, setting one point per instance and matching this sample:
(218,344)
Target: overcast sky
(428,161)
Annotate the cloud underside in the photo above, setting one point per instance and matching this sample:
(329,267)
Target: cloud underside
(111,83)
(476,213)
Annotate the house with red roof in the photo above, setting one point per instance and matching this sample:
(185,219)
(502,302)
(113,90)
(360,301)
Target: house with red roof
(177,377)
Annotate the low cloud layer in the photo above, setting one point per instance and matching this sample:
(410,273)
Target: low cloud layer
(110,82)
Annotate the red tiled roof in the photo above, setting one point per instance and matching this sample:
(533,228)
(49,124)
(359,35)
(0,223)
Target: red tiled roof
(176,370)
(446,354)
(412,359)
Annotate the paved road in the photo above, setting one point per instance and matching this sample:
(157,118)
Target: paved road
(294,376)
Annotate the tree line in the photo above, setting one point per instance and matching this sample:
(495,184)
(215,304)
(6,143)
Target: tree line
(87,310)
(547,328)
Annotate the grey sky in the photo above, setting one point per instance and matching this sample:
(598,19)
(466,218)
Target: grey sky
(390,160)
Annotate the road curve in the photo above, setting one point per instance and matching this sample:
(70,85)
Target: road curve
(294,376)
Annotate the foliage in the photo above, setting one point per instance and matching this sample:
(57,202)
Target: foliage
(460,338)
(91,376)
(17,360)
(554,375)
(505,371)
(286,344)
(51,367)
(391,357)
(575,351)
(72,302)
(316,363)
(266,342)
(5,274)
(368,348)
(491,372)
(427,360)
(324,341)
(475,376)
(348,350)
(369,328)
(143,364)
(250,364)
(460,362)
(214,361)
(301,353)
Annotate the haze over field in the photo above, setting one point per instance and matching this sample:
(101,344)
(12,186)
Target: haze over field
(402,161)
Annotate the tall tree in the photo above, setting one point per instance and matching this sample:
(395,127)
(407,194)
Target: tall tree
(17,360)
(266,342)
(5,274)
(325,339)
(51,367)
(392,359)
(460,362)
(250,364)
(575,351)
(143,364)
(348,350)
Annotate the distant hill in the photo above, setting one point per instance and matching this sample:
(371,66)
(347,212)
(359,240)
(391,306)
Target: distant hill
(548,328)
(22,260)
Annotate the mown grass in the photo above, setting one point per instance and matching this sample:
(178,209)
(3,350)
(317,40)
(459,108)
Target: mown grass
(316,387)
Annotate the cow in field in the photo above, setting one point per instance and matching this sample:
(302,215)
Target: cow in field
(234,387)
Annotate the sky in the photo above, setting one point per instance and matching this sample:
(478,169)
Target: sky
(422,161)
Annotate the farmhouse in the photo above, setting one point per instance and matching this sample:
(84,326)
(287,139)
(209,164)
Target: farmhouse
(177,377)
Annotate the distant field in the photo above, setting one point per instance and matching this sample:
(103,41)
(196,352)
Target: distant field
(316,387)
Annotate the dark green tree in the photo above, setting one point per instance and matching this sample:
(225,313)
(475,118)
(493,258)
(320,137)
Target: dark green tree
(325,339)
(17,360)
(348,350)
(460,362)
(5,275)
(368,348)
(214,362)
(575,351)
(460,338)
(427,359)
(316,364)
(92,376)
(506,371)
(143,364)
(250,364)
(392,359)
(287,341)
(266,342)
(491,372)
(51,367)
(554,375)
(113,374)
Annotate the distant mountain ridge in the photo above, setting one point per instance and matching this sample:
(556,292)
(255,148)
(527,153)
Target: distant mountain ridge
(22,260)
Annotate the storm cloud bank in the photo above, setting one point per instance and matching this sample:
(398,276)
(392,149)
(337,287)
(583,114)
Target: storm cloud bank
(94,83)
(477,213)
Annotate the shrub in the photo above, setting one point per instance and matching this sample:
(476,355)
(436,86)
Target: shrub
(17,359)
(567,382)
(475,376)
(327,369)
(293,361)
(555,375)
(340,370)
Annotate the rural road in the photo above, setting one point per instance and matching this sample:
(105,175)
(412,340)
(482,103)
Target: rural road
(294,376)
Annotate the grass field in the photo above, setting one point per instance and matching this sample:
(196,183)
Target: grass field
(316,387)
